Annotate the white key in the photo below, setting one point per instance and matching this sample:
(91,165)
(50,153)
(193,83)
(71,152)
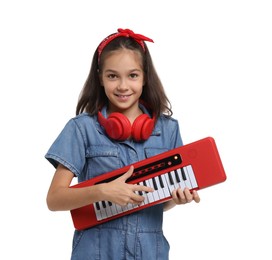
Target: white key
(124,208)
(160,189)
(144,194)
(133,206)
(149,195)
(113,209)
(165,189)
(102,210)
(155,192)
(176,183)
(171,187)
(187,181)
(108,209)
(182,183)
(191,175)
(97,212)
(119,209)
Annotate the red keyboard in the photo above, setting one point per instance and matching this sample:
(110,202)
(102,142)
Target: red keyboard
(196,165)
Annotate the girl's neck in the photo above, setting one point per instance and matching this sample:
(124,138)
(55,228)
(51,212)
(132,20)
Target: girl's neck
(131,114)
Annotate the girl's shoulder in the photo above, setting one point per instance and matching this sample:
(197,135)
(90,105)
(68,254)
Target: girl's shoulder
(164,118)
(82,118)
(167,122)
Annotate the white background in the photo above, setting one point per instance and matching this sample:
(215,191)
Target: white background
(215,61)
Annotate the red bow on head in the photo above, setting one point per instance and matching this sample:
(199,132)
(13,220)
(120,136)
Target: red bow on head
(126,33)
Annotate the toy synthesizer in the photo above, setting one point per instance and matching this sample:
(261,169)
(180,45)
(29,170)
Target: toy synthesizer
(196,165)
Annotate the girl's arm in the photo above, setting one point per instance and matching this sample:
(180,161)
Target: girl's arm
(61,197)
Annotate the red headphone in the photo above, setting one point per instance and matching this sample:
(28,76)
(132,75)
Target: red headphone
(118,127)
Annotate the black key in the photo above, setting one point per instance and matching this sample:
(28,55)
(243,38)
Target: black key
(139,192)
(144,182)
(170,178)
(154,184)
(110,204)
(97,206)
(161,182)
(104,204)
(177,177)
(183,174)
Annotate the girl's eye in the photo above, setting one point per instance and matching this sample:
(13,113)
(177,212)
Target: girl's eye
(111,76)
(133,75)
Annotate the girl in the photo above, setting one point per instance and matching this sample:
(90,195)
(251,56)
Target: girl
(123,115)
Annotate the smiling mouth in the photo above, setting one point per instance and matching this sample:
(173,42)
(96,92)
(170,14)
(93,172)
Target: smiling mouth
(122,96)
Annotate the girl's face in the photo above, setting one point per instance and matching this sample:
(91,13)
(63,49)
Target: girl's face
(122,77)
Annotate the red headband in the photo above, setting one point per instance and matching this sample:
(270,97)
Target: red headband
(125,33)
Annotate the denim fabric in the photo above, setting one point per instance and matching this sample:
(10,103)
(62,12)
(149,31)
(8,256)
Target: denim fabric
(84,148)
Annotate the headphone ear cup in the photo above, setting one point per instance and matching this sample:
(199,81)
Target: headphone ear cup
(142,127)
(117,126)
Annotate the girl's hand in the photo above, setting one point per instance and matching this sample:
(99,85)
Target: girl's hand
(181,197)
(185,196)
(122,193)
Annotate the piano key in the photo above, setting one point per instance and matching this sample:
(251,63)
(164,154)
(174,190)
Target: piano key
(113,209)
(159,190)
(102,211)
(177,176)
(104,204)
(108,210)
(98,211)
(155,191)
(171,181)
(124,208)
(183,174)
(130,206)
(145,184)
(97,206)
(163,186)
(175,182)
(161,181)
(191,175)
(187,181)
(182,184)
(154,184)
(138,193)
(119,208)
(149,195)
(144,194)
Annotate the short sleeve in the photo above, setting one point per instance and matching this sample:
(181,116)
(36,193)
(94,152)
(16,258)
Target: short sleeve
(68,149)
(176,137)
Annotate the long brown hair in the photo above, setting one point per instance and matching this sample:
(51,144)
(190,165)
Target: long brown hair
(93,97)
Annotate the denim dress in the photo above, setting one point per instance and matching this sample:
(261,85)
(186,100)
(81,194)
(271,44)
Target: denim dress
(84,148)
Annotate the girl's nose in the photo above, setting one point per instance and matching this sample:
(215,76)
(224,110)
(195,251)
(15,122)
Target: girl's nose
(122,85)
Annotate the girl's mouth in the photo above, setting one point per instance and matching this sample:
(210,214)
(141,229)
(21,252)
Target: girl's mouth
(123,96)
